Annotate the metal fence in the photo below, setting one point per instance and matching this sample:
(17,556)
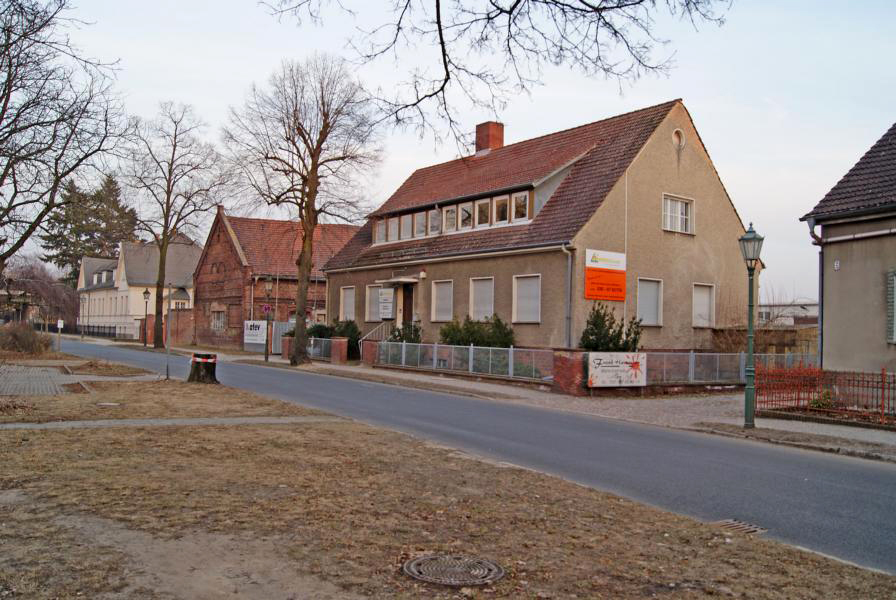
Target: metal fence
(862,396)
(514,363)
(109,331)
(319,348)
(713,367)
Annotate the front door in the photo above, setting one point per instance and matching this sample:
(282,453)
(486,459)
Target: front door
(407,303)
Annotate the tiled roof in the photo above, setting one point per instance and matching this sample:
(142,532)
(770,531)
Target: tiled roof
(91,265)
(141,262)
(870,184)
(271,246)
(604,150)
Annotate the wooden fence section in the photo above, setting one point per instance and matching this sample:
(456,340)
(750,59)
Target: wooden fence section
(863,396)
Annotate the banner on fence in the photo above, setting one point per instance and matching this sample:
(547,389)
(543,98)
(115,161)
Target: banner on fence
(617,369)
(255,332)
(604,276)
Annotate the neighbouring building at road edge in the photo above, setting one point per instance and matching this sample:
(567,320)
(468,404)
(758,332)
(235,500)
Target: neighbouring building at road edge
(854,226)
(111,289)
(629,211)
(240,253)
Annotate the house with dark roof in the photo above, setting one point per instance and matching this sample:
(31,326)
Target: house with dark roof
(854,227)
(111,289)
(628,210)
(240,254)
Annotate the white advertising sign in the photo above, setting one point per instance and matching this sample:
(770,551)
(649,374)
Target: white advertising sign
(599,259)
(387,301)
(60,324)
(617,369)
(255,332)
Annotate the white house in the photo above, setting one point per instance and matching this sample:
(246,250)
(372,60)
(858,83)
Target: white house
(111,290)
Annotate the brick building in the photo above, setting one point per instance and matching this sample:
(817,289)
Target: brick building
(239,255)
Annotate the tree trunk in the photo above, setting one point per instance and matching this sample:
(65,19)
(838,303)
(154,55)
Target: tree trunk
(158,340)
(304,263)
(203,370)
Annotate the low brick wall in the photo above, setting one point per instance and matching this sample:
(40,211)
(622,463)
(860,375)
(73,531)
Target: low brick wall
(369,352)
(182,327)
(338,350)
(286,346)
(569,373)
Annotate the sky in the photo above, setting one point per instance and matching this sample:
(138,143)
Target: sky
(787,96)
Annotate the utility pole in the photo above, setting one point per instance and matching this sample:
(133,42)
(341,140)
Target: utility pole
(168,337)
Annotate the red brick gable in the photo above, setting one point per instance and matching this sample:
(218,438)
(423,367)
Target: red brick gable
(601,152)
(271,246)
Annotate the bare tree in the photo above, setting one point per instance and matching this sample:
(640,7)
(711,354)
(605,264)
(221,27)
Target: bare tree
(57,116)
(465,52)
(177,176)
(302,143)
(54,298)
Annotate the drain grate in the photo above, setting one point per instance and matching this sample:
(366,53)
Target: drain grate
(454,570)
(739,526)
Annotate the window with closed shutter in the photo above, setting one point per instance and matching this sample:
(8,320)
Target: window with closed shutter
(527,299)
(347,304)
(442,300)
(650,298)
(373,302)
(482,298)
(703,305)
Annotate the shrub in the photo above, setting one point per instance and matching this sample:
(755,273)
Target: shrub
(493,333)
(320,330)
(21,337)
(603,333)
(408,332)
(348,329)
(822,401)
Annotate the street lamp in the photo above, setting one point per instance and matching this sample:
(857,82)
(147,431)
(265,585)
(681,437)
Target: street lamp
(750,247)
(145,312)
(82,317)
(268,286)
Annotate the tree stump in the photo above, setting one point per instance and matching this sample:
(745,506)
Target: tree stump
(202,368)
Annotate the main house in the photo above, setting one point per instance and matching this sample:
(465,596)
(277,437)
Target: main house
(509,230)
(240,255)
(856,236)
(111,289)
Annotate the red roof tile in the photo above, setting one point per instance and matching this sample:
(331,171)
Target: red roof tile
(601,151)
(271,246)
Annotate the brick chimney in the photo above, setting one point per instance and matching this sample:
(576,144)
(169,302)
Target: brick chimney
(489,136)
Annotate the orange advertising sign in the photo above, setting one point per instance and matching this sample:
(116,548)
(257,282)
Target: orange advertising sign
(604,276)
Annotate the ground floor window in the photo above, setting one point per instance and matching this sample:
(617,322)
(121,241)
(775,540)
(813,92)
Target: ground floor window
(482,298)
(442,300)
(219,320)
(650,301)
(373,303)
(527,299)
(704,305)
(347,304)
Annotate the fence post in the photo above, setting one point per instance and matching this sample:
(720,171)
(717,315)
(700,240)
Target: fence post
(470,358)
(691,361)
(510,362)
(743,367)
(883,391)
(435,355)
(402,353)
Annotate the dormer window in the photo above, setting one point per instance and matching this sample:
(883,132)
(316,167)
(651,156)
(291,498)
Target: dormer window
(420,224)
(502,210)
(435,221)
(521,206)
(466,216)
(483,212)
(406,226)
(379,232)
(449,218)
(393,229)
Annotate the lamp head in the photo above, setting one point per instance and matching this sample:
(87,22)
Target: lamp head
(751,247)
(146,295)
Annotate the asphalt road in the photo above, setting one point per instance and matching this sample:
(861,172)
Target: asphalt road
(840,506)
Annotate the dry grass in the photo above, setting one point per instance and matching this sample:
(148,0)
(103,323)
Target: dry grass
(102,367)
(348,503)
(148,399)
(10,356)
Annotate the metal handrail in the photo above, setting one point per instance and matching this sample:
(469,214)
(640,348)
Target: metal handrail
(378,334)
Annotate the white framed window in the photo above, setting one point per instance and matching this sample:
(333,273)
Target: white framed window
(373,303)
(449,218)
(435,221)
(704,305)
(482,298)
(419,224)
(521,206)
(678,214)
(180,305)
(442,300)
(379,231)
(347,303)
(483,212)
(407,226)
(393,229)
(219,320)
(650,301)
(465,219)
(527,298)
(502,210)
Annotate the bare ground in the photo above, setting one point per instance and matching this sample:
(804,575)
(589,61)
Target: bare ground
(342,504)
(146,399)
(106,368)
(15,357)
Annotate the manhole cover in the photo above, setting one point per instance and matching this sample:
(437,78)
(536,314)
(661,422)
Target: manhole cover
(453,570)
(735,525)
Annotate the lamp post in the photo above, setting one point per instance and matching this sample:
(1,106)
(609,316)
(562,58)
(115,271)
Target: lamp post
(268,286)
(750,247)
(145,312)
(82,317)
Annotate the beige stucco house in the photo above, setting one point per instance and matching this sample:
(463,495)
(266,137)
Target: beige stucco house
(854,226)
(509,230)
(111,289)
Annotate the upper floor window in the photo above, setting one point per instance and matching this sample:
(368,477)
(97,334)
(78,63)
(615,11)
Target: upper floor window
(379,232)
(406,226)
(393,229)
(502,210)
(521,206)
(677,214)
(483,212)
(435,221)
(420,224)
(466,216)
(449,218)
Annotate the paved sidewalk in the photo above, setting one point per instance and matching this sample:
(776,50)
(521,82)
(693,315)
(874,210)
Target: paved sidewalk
(99,424)
(30,380)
